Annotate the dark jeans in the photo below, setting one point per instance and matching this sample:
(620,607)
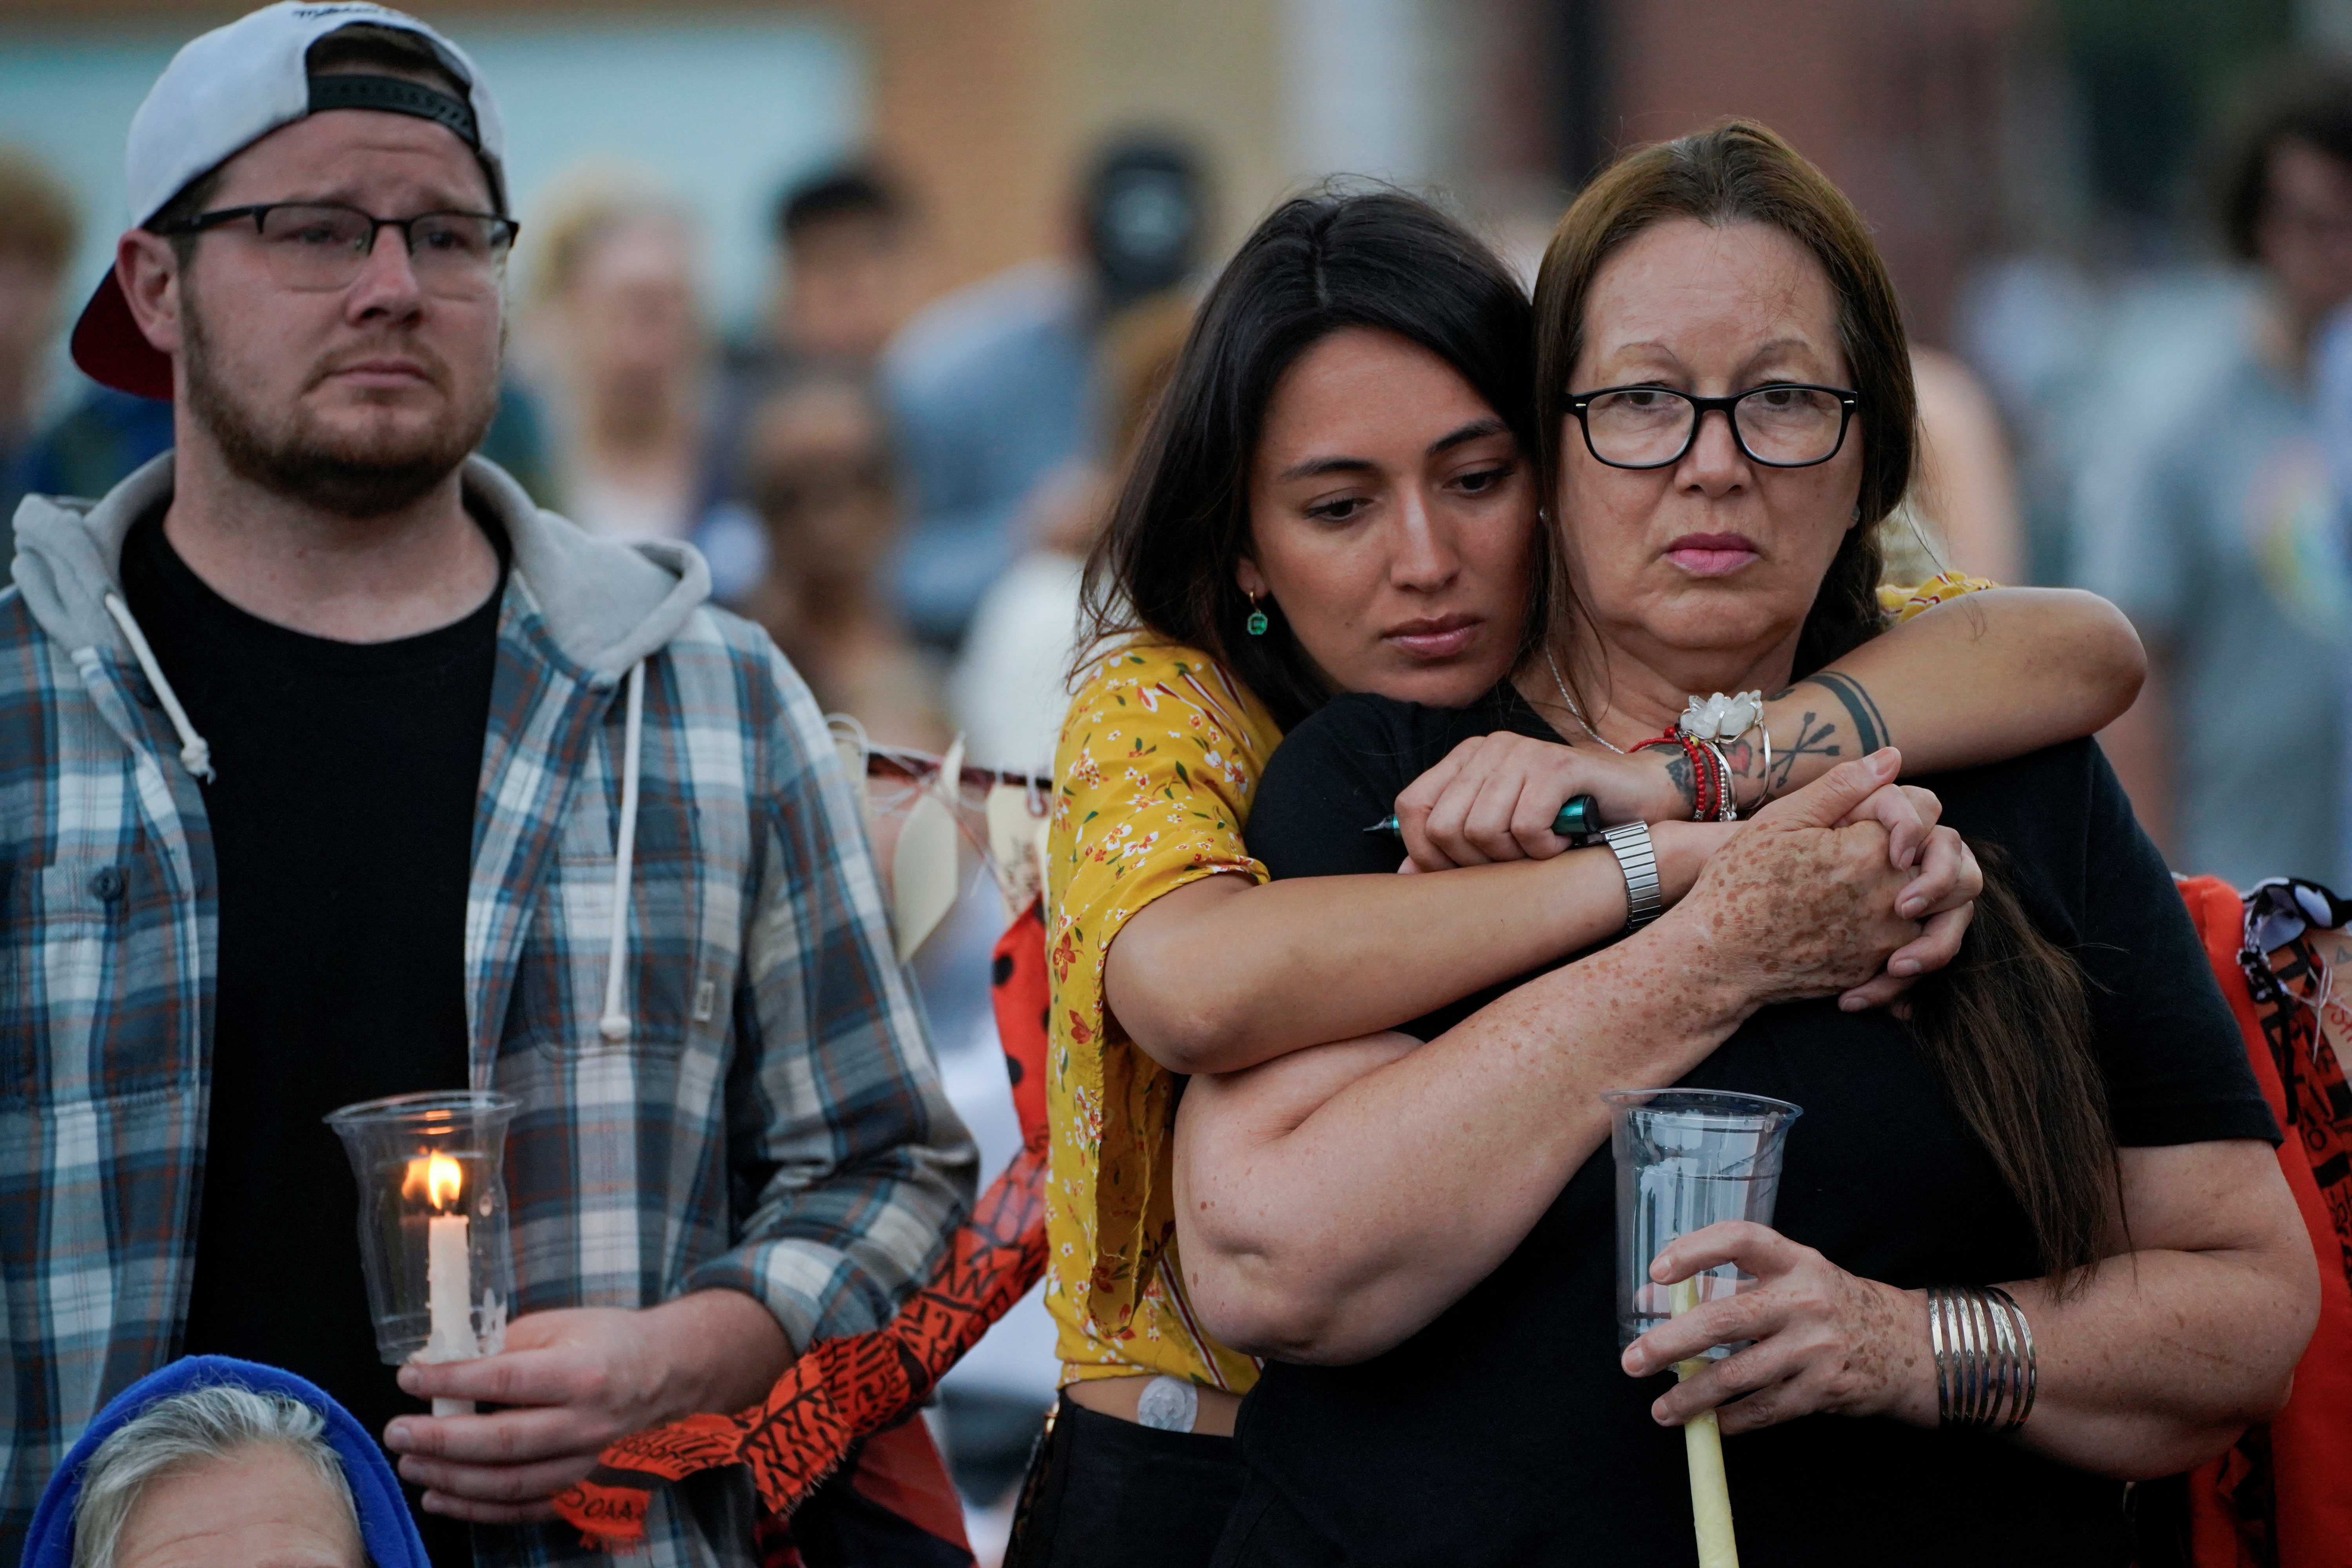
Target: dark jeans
(1103,1490)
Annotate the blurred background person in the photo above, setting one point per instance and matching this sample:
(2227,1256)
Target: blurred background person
(992,389)
(104,434)
(1961,513)
(1005,398)
(817,466)
(622,358)
(37,231)
(1010,685)
(2218,540)
(845,268)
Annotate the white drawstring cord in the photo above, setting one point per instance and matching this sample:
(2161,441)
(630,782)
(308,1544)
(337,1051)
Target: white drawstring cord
(195,755)
(615,1026)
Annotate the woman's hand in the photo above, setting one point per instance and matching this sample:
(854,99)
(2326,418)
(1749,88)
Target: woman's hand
(1494,798)
(1824,1340)
(1682,849)
(1942,896)
(1803,907)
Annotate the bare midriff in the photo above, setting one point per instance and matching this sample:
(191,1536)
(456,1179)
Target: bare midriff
(1117,1396)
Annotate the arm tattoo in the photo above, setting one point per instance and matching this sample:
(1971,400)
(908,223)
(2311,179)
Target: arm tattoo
(1817,736)
(1814,739)
(1869,724)
(1743,756)
(1678,772)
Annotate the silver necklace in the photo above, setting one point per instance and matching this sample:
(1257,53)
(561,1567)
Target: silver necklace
(1577,713)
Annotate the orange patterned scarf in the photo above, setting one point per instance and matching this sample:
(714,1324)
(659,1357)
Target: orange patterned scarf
(829,1408)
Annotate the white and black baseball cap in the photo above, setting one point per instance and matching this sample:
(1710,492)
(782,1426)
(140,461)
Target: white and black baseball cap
(227,90)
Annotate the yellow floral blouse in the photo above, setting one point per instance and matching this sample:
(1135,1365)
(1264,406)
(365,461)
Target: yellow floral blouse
(1158,763)
(1902,603)
(1159,759)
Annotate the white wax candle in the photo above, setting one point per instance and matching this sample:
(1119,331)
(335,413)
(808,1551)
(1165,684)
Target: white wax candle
(449,1295)
(1703,1447)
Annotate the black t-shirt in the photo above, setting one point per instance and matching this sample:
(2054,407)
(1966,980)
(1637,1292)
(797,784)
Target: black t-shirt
(1505,1432)
(341,815)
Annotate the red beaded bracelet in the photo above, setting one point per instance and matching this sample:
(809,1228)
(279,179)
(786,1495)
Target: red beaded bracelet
(1705,789)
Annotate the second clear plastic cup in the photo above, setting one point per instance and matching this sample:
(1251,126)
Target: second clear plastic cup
(1688,1158)
(433,1221)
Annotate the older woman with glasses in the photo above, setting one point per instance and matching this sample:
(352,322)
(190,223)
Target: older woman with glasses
(2060,1149)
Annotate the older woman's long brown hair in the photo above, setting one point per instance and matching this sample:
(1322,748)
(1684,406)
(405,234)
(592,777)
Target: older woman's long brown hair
(2006,1023)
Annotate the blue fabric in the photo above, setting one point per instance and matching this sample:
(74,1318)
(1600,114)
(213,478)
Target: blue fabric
(2214,535)
(990,391)
(98,442)
(385,1529)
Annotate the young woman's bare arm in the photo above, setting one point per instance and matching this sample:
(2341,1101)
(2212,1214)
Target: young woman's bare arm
(1222,974)
(1990,675)
(1332,1202)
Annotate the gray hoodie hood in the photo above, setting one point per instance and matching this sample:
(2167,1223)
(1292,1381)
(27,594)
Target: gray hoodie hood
(606,605)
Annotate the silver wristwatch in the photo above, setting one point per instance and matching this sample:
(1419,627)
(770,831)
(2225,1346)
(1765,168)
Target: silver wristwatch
(1639,860)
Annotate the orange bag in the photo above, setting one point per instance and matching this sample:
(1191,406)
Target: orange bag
(2281,1496)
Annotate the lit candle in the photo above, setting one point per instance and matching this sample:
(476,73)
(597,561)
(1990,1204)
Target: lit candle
(448,1270)
(1703,1446)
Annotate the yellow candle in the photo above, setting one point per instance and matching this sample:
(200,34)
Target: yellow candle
(1703,1446)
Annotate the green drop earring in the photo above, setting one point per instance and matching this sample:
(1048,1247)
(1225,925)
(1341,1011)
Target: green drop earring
(1256,622)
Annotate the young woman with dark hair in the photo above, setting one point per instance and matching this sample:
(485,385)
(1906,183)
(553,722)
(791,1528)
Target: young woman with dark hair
(1335,494)
(2063,1141)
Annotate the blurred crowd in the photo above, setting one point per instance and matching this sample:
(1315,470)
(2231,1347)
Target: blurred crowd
(901,492)
(902,488)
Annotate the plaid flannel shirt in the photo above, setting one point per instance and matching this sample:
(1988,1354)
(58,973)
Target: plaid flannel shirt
(775,1124)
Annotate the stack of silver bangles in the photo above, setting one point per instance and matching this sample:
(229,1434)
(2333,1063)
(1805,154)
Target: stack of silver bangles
(1984,1358)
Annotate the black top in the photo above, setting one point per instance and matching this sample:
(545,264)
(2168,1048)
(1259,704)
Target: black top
(342,821)
(1505,1433)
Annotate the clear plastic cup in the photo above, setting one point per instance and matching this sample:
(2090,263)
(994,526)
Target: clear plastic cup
(434,1241)
(1688,1158)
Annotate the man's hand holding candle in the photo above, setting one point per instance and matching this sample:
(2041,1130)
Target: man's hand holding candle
(572,1381)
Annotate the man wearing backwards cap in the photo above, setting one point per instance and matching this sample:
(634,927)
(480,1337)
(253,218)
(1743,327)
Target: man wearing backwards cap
(334,769)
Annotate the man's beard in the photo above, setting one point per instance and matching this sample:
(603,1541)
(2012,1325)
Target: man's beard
(361,476)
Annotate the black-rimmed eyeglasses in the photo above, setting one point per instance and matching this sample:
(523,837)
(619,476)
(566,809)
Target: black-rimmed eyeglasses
(1781,424)
(321,246)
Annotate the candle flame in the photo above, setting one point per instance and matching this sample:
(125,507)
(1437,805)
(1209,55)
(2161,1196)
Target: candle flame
(436,1178)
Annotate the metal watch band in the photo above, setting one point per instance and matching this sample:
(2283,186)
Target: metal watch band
(1639,860)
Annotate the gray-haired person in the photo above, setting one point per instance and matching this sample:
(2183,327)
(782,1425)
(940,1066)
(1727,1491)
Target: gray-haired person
(218,1463)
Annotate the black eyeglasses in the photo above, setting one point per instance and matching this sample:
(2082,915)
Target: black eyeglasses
(322,246)
(1781,424)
